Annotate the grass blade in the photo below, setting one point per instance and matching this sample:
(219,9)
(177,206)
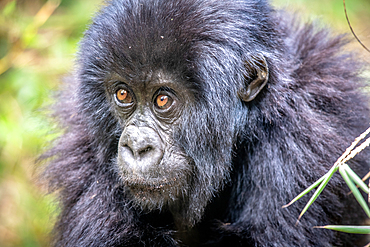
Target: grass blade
(354,190)
(314,185)
(325,181)
(356,179)
(347,229)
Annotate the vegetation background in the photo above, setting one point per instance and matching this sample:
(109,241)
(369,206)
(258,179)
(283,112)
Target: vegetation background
(38,42)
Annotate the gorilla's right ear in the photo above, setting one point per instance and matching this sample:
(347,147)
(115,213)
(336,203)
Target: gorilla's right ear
(261,74)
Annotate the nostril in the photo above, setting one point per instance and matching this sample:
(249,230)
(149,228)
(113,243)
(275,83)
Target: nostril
(128,148)
(145,150)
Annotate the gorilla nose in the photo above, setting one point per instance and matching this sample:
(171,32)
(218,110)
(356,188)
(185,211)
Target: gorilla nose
(140,149)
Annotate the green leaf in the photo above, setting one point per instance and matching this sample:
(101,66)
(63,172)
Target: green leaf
(354,190)
(347,229)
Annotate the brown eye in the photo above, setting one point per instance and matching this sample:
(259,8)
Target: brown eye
(123,96)
(163,101)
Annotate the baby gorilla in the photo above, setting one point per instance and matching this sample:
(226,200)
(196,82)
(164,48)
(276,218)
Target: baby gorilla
(191,122)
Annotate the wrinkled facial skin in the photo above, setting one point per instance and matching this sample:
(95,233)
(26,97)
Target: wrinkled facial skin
(150,164)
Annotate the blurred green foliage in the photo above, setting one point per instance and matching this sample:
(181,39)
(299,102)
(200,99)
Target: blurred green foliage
(38,40)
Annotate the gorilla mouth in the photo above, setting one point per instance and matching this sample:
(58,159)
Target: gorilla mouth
(150,194)
(150,184)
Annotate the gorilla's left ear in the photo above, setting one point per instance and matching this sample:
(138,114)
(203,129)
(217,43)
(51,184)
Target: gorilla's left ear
(261,74)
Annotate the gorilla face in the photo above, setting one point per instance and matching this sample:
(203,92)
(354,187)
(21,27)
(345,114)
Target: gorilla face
(154,168)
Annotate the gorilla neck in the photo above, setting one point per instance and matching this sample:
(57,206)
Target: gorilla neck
(177,219)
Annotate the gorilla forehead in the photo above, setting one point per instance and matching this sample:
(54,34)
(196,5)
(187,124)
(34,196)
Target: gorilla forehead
(156,34)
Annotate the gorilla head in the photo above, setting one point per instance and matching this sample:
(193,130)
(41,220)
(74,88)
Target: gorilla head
(173,95)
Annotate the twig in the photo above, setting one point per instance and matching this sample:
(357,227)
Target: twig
(350,26)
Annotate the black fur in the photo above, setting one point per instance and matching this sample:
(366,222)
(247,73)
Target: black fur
(249,158)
